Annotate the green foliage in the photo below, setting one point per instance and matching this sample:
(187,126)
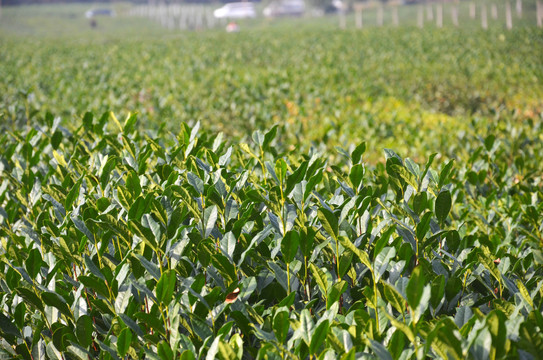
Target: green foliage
(153,238)
(174,251)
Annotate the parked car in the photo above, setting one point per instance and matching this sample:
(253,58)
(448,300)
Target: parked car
(236,10)
(99,12)
(285,8)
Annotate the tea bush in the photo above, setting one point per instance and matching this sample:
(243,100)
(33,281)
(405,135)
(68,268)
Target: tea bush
(119,244)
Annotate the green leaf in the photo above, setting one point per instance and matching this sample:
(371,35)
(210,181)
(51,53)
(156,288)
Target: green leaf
(83,330)
(19,315)
(226,352)
(93,283)
(296,177)
(133,184)
(209,219)
(379,350)
(335,292)
(55,300)
(415,287)
(444,175)
(307,239)
(187,355)
(488,263)
(356,175)
(443,205)
(151,320)
(248,150)
(382,260)
(496,324)
(164,351)
(196,182)
(400,326)
(356,155)
(149,266)
(269,136)
(166,286)
(288,301)
(30,297)
(394,297)
(306,326)
(320,278)
(364,258)
(7,327)
(73,194)
(138,208)
(289,246)
(91,266)
(52,352)
(438,290)
(444,341)
(406,175)
(329,222)
(524,293)
(129,123)
(428,164)
(228,244)
(423,226)
(123,341)
(80,225)
(33,263)
(281,169)
(225,268)
(318,336)
(281,324)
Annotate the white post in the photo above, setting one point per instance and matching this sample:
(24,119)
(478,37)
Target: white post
(539,13)
(342,20)
(519,8)
(420,17)
(472,10)
(484,20)
(439,15)
(429,12)
(454,14)
(380,15)
(358,18)
(395,17)
(508,16)
(494,11)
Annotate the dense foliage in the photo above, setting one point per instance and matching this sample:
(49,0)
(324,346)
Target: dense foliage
(401,88)
(115,245)
(295,232)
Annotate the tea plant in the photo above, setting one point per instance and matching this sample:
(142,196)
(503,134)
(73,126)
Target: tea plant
(118,243)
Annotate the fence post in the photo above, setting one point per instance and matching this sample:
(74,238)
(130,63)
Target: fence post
(519,8)
(539,13)
(472,10)
(358,16)
(494,11)
(484,20)
(342,19)
(454,15)
(380,15)
(508,16)
(420,17)
(395,17)
(439,15)
(429,12)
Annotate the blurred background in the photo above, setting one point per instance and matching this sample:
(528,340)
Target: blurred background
(409,75)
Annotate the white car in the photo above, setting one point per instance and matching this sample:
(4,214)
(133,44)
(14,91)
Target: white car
(99,12)
(236,10)
(285,8)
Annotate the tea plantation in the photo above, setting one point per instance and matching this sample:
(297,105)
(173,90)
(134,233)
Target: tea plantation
(292,191)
